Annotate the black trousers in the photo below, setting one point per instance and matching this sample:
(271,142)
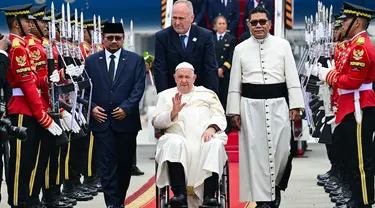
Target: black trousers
(91,162)
(21,161)
(41,171)
(178,183)
(116,152)
(75,160)
(357,141)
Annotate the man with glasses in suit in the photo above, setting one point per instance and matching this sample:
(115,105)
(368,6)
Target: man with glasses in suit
(118,78)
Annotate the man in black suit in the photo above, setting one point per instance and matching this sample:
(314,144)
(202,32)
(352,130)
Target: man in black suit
(4,64)
(118,78)
(251,4)
(4,61)
(184,42)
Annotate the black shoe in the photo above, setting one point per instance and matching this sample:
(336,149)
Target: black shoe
(87,190)
(335,193)
(78,195)
(63,198)
(57,204)
(263,205)
(94,184)
(277,201)
(321,182)
(323,176)
(178,201)
(210,202)
(343,201)
(136,171)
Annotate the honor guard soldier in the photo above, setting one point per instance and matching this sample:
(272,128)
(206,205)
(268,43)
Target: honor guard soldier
(37,44)
(25,107)
(355,116)
(91,163)
(56,165)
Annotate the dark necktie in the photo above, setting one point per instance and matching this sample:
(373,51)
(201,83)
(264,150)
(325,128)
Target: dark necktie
(182,39)
(112,69)
(220,37)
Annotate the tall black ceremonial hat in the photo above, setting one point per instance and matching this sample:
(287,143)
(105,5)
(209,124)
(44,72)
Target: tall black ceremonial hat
(103,22)
(22,11)
(88,24)
(113,28)
(353,10)
(39,12)
(338,21)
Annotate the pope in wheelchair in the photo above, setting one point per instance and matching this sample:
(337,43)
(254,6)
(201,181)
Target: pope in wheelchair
(191,154)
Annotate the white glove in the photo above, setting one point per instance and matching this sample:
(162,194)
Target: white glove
(55,129)
(74,70)
(67,118)
(63,125)
(82,120)
(314,69)
(324,71)
(55,77)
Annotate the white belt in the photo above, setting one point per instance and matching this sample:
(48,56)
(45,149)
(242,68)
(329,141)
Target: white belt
(18,92)
(357,104)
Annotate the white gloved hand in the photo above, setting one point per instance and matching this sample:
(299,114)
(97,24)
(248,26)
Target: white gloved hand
(82,120)
(71,70)
(63,125)
(74,70)
(55,77)
(322,74)
(67,118)
(55,129)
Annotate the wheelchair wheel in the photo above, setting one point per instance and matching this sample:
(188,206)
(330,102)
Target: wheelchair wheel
(223,197)
(162,195)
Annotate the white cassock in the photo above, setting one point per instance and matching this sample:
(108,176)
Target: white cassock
(264,139)
(182,140)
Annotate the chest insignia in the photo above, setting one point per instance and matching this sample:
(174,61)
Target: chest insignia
(358,54)
(21,60)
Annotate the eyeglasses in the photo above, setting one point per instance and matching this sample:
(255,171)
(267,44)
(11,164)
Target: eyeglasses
(110,38)
(261,22)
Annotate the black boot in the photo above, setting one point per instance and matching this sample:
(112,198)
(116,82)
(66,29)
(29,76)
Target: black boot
(177,180)
(210,188)
(71,191)
(136,171)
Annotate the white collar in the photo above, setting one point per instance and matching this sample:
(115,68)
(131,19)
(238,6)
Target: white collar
(108,54)
(187,33)
(222,34)
(260,40)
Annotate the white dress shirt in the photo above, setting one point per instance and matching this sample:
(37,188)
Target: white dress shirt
(218,36)
(255,3)
(108,59)
(224,2)
(187,37)
(4,52)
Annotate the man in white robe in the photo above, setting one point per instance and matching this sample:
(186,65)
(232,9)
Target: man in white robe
(264,95)
(190,155)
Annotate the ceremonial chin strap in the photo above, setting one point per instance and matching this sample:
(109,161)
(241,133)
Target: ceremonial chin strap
(21,28)
(38,28)
(350,27)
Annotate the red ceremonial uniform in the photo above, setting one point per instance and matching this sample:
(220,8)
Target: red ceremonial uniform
(23,78)
(338,55)
(85,49)
(39,56)
(355,68)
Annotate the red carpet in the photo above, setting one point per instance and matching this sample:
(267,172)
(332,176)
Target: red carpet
(145,196)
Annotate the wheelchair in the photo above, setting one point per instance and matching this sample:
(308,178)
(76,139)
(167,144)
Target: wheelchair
(222,194)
